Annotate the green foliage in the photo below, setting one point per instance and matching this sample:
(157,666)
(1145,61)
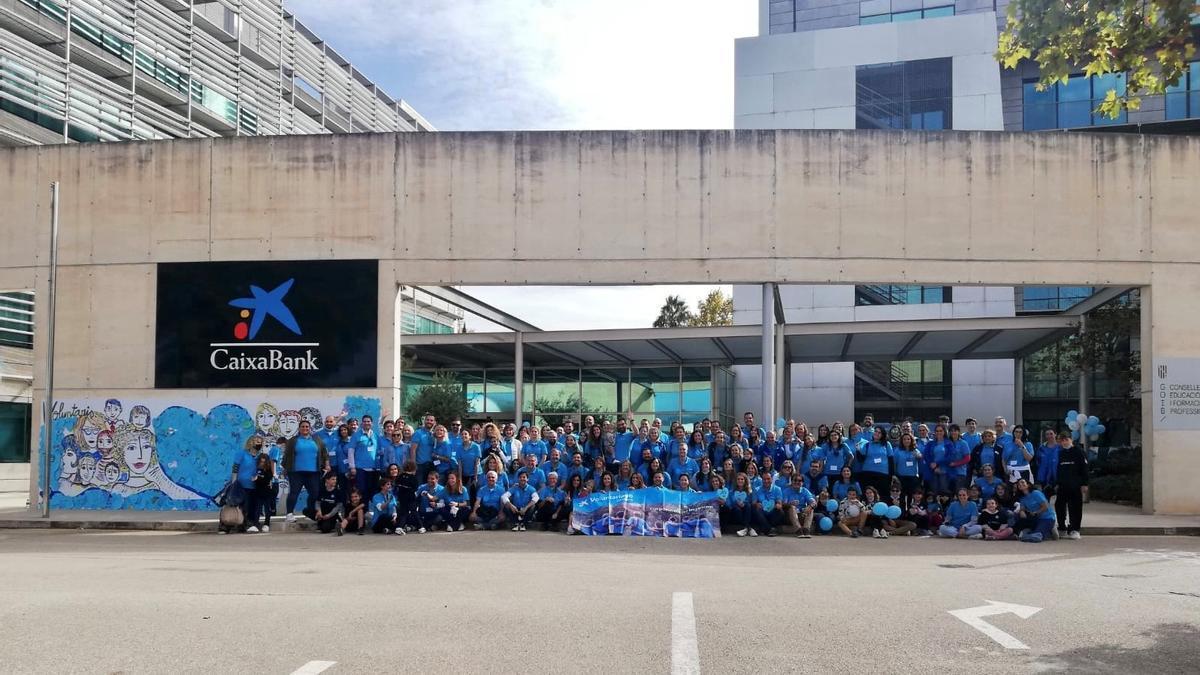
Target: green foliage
(1149,40)
(556,411)
(674,313)
(1126,488)
(444,397)
(716,309)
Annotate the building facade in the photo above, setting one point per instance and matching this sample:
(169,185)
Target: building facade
(119,70)
(912,64)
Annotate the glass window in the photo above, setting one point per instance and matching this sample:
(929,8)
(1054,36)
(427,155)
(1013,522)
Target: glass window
(655,392)
(500,396)
(934,12)
(557,391)
(910,15)
(884,294)
(15,425)
(1071,104)
(1183,98)
(905,95)
(906,16)
(697,401)
(605,391)
(877,18)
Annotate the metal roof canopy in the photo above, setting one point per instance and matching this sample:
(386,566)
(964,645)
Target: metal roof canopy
(932,339)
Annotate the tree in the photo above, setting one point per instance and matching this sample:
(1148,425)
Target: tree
(716,309)
(444,397)
(674,313)
(1106,348)
(1099,37)
(558,410)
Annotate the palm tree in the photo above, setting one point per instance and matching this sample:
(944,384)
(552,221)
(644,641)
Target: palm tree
(674,313)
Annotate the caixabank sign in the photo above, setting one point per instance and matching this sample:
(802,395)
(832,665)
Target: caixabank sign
(303,324)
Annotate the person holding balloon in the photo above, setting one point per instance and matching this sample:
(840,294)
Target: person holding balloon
(877,512)
(852,514)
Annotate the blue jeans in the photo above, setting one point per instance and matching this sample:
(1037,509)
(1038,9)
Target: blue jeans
(302,479)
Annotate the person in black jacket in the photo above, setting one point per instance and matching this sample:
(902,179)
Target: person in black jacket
(987,452)
(1071,487)
(405,485)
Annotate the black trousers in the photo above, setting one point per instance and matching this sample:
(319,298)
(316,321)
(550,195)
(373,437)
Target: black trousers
(1068,505)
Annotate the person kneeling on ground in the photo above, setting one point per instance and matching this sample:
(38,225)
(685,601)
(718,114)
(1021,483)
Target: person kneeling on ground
(356,514)
(383,510)
(457,502)
(520,501)
(429,498)
(766,514)
(1035,521)
(328,513)
(487,513)
(995,521)
(960,518)
(551,499)
(798,504)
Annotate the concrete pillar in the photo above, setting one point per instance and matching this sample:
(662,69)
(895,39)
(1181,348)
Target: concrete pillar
(518,376)
(388,339)
(768,355)
(781,372)
(1019,391)
(1083,389)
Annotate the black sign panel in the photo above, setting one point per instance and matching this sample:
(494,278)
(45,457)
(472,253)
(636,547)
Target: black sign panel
(305,323)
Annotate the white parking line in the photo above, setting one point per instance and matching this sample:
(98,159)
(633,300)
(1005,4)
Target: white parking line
(685,652)
(313,667)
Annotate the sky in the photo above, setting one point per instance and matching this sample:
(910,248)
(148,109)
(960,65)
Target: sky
(549,64)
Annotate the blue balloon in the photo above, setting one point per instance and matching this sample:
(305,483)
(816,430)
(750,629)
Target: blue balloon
(780,423)
(1100,428)
(880,509)
(1072,414)
(893,512)
(1075,435)
(1093,420)
(831,505)
(826,524)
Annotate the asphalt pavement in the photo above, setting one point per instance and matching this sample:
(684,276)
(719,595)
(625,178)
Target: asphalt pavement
(165,602)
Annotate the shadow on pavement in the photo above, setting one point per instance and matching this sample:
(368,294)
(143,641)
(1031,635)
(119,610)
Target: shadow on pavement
(1173,648)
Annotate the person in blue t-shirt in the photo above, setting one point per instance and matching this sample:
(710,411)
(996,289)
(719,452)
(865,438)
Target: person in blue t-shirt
(971,434)
(987,483)
(835,456)
(552,504)
(1017,457)
(798,504)
(958,458)
(845,483)
(382,517)
(681,464)
(430,500)
(1035,518)
(488,513)
(244,468)
(443,454)
(739,505)
(961,520)
(623,442)
(363,457)
(1047,460)
(814,480)
(456,507)
(519,502)
(988,452)
(537,478)
(421,449)
(768,508)
(469,456)
(907,462)
(875,458)
(303,457)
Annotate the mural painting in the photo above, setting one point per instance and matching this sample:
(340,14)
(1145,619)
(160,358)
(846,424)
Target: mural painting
(161,453)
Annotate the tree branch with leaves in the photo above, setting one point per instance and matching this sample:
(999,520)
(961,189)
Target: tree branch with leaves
(1151,41)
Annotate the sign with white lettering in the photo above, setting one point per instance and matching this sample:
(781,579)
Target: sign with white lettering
(308,323)
(1177,394)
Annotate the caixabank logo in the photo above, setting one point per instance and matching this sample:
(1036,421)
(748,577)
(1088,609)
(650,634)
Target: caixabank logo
(260,306)
(267,324)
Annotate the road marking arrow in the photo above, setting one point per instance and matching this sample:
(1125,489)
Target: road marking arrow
(973,617)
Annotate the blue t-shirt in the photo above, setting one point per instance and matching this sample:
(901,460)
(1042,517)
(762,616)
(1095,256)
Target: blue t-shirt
(246,467)
(840,490)
(798,498)
(739,497)
(986,488)
(677,469)
(768,497)
(430,496)
(907,463)
(623,445)
(423,438)
(536,477)
(490,496)
(1033,501)
(305,458)
(875,457)
(555,494)
(987,454)
(958,515)
(521,496)
(468,458)
(383,506)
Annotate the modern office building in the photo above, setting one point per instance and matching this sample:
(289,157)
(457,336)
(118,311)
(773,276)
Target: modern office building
(913,64)
(118,70)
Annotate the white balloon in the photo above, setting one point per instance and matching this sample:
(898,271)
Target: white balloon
(1094,437)
(1073,425)
(1081,419)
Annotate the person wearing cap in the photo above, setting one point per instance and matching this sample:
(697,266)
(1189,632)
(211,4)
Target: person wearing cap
(487,513)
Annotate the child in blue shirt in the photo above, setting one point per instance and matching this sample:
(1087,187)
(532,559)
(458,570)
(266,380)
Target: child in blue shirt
(382,515)
(430,500)
(962,517)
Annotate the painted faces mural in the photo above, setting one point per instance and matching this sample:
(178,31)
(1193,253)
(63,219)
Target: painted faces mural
(172,459)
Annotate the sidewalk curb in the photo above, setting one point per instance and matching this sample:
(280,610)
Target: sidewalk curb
(210,526)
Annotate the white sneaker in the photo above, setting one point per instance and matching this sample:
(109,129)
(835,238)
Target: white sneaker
(478,526)
(252,530)
(449,529)
(1074,534)
(743,532)
(516,528)
(421,530)
(222,532)
(753,532)
(570,530)
(522,527)
(975,536)
(399,531)
(883,534)
(289,518)
(875,534)
(266,529)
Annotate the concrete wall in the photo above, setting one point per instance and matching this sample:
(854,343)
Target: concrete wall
(806,80)
(527,207)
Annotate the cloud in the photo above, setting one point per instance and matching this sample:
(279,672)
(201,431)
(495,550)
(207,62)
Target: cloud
(545,64)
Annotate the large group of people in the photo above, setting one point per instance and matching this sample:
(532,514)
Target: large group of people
(938,479)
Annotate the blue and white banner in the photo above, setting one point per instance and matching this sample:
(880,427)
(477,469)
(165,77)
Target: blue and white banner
(649,512)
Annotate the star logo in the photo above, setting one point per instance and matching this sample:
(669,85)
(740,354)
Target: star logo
(264,304)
